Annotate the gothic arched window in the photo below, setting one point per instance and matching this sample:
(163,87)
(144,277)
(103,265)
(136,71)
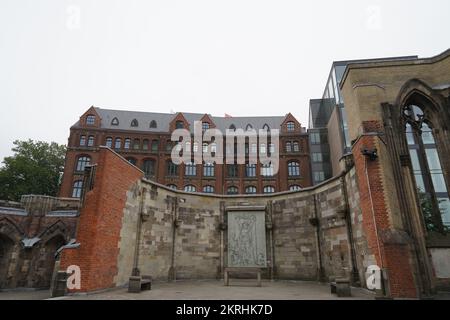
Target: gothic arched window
(427,168)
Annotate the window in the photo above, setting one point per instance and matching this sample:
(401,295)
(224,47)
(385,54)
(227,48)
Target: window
(205,126)
(145,144)
(179,125)
(250,190)
(269,189)
(232,127)
(295,188)
(136,144)
(267,170)
(172,186)
(118,143)
(272,148)
(133,161)
(134,123)
(232,190)
(169,145)
(190,188)
(314,137)
(90,120)
(172,168)
(266,127)
(293,169)
(288,147)
(155,145)
(195,148)
(208,189)
(115,122)
(317,157)
(250,170)
(208,170)
(319,176)
(77,189)
(249,127)
(290,126)
(149,167)
(127,144)
(82,141)
(213,147)
(109,142)
(427,168)
(205,148)
(190,169)
(296,146)
(232,170)
(254,148)
(262,148)
(82,162)
(153,124)
(91,141)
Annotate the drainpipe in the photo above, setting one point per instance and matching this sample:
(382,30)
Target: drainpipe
(316,223)
(348,221)
(174,207)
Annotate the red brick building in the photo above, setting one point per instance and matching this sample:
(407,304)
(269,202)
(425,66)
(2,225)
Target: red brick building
(144,139)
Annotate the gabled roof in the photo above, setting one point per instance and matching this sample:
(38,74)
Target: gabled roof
(163,120)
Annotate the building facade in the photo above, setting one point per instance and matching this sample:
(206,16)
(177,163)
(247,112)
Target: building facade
(144,139)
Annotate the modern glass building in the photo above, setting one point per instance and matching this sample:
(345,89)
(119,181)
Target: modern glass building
(328,119)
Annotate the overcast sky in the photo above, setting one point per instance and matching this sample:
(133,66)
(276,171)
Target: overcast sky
(59,57)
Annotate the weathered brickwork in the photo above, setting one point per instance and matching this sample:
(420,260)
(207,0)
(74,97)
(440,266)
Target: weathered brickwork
(30,234)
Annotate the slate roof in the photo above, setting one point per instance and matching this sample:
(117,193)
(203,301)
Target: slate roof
(163,120)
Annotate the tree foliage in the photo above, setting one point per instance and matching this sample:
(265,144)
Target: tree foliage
(35,168)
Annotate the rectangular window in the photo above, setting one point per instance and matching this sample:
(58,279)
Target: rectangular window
(232,170)
(315,138)
(319,176)
(250,170)
(190,169)
(317,157)
(208,170)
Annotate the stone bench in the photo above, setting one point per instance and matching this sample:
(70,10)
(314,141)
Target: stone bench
(341,287)
(139,283)
(228,271)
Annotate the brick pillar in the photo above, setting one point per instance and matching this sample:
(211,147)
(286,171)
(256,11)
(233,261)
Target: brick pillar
(101,221)
(391,251)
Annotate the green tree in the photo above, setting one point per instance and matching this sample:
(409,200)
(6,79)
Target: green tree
(35,168)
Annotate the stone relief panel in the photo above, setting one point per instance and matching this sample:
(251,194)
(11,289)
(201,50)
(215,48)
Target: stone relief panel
(246,239)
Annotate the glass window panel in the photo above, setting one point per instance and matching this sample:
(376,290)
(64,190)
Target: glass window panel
(444,206)
(433,160)
(427,135)
(439,183)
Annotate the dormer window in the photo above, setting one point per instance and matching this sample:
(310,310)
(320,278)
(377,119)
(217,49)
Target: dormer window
(134,123)
(205,126)
(153,124)
(290,126)
(233,127)
(266,127)
(90,120)
(179,125)
(115,122)
(249,127)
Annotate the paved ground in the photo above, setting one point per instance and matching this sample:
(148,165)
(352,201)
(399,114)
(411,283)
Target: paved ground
(215,290)
(24,294)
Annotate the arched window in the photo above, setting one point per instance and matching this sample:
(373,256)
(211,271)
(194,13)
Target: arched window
(232,127)
(208,189)
(115,122)
(249,127)
(127,144)
(296,146)
(77,189)
(190,188)
(293,169)
(269,189)
(232,190)
(155,145)
(266,127)
(190,169)
(82,162)
(133,161)
(172,168)
(250,190)
(90,120)
(149,167)
(288,147)
(91,141)
(153,124)
(295,188)
(208,170)
(290,126)
(134,123)
(118,143)
(109,142)
(82,141)
(172,186)
(145,144)
(427,168)
(136,144)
